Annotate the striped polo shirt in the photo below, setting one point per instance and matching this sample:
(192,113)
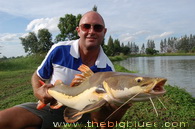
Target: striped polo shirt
(62,62)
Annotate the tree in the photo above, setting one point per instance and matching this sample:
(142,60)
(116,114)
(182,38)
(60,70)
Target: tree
(37,44)
(142,49)
(30,43)
(125,50)
(0,48)
(151,51)
(134,48)
(94,8)
(110,47)
(161,46)
(151,44)
(151,48)
(184,44)
(67,26)
(117,47)
(44,40)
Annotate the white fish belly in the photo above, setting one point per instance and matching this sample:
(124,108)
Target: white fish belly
(77,102)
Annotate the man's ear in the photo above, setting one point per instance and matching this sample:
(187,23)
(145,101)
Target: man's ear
(105,30)
(78,31)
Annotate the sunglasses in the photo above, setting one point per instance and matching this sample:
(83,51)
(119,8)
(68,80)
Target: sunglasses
(96,27)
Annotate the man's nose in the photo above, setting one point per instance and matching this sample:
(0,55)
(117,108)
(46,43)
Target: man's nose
(91,30)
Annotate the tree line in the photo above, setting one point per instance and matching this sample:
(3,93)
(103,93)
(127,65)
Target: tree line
(184,44)
(42,41)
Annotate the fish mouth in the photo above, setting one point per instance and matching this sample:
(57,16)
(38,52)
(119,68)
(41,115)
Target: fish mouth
(153,90)
(158,87)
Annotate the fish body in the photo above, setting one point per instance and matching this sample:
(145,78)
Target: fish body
(92,90)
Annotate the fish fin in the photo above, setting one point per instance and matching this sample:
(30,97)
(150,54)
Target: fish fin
(40,105)
(87,72)
(69,113)
(91,107)
(41,82)
(72,115)
(58,82)
(79,78)
(56,105)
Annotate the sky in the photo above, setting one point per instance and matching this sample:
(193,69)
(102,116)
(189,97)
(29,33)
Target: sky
(127,20)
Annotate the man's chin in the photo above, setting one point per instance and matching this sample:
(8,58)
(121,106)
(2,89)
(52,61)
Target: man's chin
(91,46)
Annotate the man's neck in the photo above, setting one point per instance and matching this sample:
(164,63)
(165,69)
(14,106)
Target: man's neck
(89,57)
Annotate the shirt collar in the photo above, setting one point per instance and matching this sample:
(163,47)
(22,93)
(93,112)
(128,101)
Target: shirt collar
(74,49)
(101,60)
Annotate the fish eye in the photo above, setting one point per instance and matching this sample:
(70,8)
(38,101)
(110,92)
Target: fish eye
(138,79)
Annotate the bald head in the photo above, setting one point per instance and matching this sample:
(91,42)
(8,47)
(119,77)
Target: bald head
(92,16)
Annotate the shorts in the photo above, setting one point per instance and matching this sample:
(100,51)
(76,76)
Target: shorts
(53,117)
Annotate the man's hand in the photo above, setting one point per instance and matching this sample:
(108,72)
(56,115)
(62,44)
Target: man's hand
(42,94)
(40,89)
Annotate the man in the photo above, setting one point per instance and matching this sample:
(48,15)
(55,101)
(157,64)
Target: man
(61,63)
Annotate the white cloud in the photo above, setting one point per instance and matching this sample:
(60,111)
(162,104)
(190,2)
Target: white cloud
(48,23)
(142,32)
(160,36)
(127,37)
(9,37)
(10,45)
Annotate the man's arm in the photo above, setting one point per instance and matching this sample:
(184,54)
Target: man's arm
(40,91)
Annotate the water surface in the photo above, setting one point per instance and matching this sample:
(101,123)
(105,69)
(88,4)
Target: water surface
(179,70)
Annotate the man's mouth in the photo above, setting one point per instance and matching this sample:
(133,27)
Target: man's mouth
(91,37)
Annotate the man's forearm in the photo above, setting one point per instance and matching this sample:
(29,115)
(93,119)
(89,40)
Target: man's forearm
(35,82)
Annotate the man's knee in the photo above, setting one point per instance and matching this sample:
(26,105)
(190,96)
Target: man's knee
(17,118)
(5,122)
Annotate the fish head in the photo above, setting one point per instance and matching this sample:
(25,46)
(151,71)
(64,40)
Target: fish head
(149,88)
(123,87)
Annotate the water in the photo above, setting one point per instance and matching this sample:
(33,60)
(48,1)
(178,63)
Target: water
(179,70)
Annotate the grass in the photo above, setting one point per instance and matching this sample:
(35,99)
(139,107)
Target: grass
(121,69)
(15,77)
(180,112)
(15,88)
(118,58)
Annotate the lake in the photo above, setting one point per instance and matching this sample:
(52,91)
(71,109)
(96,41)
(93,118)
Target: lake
(179,70)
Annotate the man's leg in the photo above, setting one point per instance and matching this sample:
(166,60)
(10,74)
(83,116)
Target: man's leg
(18,118)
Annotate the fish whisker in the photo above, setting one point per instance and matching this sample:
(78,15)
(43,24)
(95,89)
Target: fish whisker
(153,106)
(161,102)
(121,106)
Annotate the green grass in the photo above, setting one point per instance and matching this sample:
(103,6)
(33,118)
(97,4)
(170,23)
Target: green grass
(15,88)
(15,77)
(180,111)
(118,58)
(122,69)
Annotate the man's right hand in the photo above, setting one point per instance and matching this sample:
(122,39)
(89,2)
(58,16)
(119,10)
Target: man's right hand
(40,89)
(42,94)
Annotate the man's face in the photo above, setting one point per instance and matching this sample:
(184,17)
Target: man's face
(91,30)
